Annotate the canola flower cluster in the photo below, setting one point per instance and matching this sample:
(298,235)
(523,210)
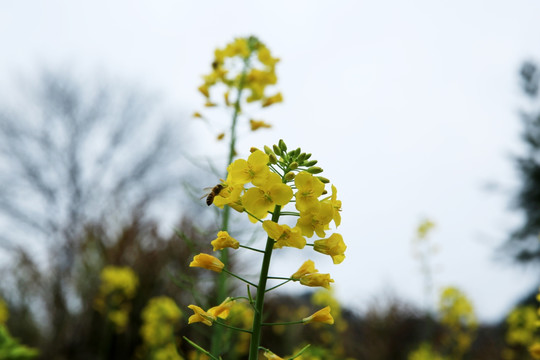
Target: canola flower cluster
(457,314)
(246,63)
(161,317)
(243,66)
(118,286)
(263,185)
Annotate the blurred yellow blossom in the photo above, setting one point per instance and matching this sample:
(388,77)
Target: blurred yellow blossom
(160,318)
(258,124)
(118,286)
(4,313)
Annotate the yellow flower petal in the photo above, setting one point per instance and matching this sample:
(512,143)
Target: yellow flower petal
(207,262)
(322,315)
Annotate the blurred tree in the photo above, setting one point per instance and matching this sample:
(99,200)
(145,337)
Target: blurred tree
(74,152)
(524,244)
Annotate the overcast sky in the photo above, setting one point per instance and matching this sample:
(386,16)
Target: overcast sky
(410,107)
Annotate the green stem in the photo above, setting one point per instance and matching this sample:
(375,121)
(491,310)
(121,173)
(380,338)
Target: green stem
(261,289)
(232,327)
(279,278)
(217,334)
(239,277)
(278,285)
(252,249)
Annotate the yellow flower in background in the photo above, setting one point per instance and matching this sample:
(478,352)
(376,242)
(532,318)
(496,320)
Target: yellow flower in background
(118,286)
(258,124)
(160,317)
(521,324)
(316,219)
(534,350)
(245,63)
(308,267)
(254,170)
(322,316)
(333,246)
(167,352)
(258,201)
(271,356)
(425,228)
(309,190)
(222,310)
(118,279)
(207,262)
(284,235)
(224,240)
(272,100)
(4,312)
(316,279)
(200,316)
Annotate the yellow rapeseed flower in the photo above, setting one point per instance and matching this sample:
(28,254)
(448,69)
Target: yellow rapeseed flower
(333,246)
(315,219)
(271,356)
(200,316)
(224,240)
(308,267)
(254,170)
(259,200)
(336,206)
(229,195)
(316,279)
(222,310)
(272,100)
(207,262)
(284,235)
(534,350)
(309,190)
(322,316)
(258,124)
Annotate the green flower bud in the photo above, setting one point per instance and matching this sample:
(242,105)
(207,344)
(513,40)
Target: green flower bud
(282,145)
(267,150)
(323,179)
(289,176)
(310,163)
(314,170)
(324,192)
(308,155)
(273,158)
(301,158)
(277,150)
(294,165)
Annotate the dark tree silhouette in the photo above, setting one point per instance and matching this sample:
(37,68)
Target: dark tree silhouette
(73,153)
(524,242)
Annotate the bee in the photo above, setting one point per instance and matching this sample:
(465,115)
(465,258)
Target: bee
(212,194)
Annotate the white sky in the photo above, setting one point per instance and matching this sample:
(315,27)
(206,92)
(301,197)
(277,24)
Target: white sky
(410,107)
